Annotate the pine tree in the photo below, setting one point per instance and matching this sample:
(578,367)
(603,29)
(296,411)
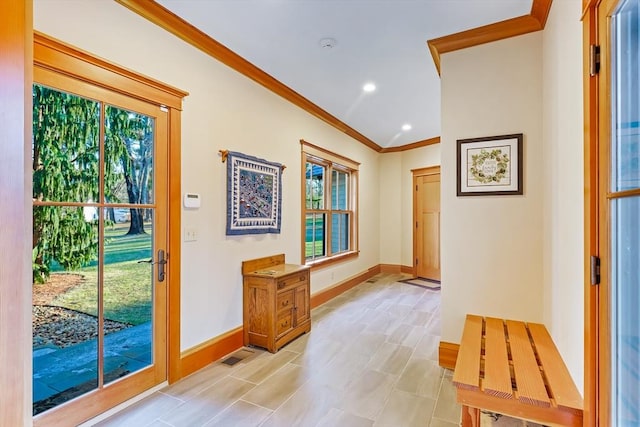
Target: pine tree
(65,169)
(129,136)
(66,163)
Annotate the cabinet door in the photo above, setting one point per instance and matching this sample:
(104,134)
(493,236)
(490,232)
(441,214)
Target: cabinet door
(302,303)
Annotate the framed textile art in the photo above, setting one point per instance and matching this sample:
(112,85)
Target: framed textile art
(254,195)
(490,166)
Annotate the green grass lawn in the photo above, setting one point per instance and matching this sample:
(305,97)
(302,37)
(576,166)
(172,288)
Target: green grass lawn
(127,284)
(309,249)
(314,241)
(120,247)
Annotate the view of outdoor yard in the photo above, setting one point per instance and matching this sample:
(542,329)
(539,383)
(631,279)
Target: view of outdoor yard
(93,168)
(127,293)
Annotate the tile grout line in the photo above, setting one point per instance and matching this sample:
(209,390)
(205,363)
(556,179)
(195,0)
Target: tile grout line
(437,399)
(271,374)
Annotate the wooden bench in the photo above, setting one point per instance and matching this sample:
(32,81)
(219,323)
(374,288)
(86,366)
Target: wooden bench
(513,368)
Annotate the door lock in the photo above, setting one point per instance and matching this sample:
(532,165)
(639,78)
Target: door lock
(161,262)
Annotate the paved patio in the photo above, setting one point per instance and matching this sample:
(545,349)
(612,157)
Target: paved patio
(57,371)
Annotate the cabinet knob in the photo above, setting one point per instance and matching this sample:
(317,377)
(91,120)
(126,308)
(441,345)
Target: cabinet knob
(284,324)
(285,303)
(281,285)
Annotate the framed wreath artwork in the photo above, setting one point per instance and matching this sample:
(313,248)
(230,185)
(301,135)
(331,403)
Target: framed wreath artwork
(490,165)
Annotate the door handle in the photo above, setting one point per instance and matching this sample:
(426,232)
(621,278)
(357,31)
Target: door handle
(161,262)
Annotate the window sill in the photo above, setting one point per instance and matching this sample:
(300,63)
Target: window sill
(325,262)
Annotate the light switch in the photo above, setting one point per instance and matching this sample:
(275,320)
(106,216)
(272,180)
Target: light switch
(190,234)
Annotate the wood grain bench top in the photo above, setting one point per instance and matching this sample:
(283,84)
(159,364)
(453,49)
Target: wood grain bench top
(514,368)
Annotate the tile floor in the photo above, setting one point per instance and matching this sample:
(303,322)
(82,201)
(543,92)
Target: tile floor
(369,360)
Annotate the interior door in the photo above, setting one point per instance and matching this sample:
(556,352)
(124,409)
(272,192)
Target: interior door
(618,316)
(100,230)
(427,221)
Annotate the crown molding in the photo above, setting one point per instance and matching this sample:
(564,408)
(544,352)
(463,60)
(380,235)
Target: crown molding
(534,21)
(413,145)
(540,11)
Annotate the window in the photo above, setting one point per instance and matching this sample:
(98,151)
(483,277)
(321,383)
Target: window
(329,206)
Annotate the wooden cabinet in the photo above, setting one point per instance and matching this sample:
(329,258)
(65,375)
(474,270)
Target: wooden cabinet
(276,302)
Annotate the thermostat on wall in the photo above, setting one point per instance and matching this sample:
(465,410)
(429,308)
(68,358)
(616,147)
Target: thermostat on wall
(191,200)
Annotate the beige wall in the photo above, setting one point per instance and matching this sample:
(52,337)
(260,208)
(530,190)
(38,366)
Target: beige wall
(396,201)
(563,184)
(492,245)
(391,208)
(413,159)
(224,110)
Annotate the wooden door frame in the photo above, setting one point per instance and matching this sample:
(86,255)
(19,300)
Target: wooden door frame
(597,90)
(590,90)
(52,55)
(16,57)
(416,173)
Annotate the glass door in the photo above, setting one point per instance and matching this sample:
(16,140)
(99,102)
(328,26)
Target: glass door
(623,200)
(99,241)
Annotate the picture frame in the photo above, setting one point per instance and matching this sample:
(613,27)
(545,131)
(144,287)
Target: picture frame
(254,195)
(490,166)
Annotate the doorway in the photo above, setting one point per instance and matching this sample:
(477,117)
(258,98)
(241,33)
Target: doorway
(426,214)
(104,140)
(99,235)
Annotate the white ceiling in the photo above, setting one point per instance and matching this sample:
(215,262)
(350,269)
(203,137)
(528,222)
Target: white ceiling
(380,41)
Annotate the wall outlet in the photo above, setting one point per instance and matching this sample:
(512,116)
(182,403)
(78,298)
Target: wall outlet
(190,235)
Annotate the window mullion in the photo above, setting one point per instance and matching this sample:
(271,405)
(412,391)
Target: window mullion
(329,205)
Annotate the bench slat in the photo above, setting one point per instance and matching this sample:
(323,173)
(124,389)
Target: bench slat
(497,377)
(531,388)
(467,371)
(561,385)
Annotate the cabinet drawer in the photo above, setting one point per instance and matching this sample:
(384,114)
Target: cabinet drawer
(292,280)
(285,300)
(283,323)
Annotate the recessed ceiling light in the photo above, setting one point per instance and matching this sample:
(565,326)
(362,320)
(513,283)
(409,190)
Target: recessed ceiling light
(369,87)
(406,127)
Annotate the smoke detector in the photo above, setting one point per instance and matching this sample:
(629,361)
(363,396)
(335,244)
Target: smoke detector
(328,43)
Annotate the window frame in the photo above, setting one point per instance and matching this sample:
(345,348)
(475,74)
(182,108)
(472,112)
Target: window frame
(331,162)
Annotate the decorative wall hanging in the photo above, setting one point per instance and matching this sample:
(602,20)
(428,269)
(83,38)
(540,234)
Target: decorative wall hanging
(254,194)
(490,166)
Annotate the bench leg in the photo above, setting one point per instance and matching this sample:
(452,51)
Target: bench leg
(470,417)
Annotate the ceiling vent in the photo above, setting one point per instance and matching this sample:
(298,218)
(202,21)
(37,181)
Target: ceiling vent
(328,43)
